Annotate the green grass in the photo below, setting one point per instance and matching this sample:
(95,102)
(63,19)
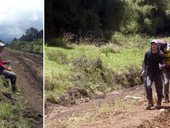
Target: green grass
(118,61)
(57,74)
(12,108)
(5,110)
(114,61)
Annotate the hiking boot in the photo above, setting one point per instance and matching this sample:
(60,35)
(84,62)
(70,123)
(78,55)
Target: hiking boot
(166,100)
(158,105)
(150,104)
(16,91)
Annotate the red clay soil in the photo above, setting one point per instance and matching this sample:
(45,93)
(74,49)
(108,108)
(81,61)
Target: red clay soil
(126,110)
(29,70)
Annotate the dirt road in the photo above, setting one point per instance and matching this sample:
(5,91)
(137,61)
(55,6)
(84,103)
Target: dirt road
(119,109)
(29,70)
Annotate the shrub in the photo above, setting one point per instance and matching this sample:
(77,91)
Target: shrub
(57,56)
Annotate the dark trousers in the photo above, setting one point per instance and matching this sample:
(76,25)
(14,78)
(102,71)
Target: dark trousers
(166,77)
(12,76)
(157,79)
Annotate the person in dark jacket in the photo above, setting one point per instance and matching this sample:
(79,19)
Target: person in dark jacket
(153,65)
(7,71)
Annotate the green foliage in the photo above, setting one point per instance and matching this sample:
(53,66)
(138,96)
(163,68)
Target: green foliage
(82,17)
(35,46)
(97,78)
(101,18)
(5,110)
(144,17)
(131,41)
(12,108)
(31,34)
(57,56)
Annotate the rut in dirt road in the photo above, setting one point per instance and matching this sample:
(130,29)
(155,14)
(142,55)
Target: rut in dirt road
(29,70)
(121,109)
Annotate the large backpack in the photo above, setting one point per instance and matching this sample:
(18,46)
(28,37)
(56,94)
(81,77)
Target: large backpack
(165,48)
(162,44)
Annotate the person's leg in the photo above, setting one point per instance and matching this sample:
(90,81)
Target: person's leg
(166,86)
(148,88)
(159,88)
(12,76)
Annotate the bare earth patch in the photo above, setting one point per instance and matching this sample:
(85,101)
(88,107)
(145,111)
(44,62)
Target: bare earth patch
(119,109)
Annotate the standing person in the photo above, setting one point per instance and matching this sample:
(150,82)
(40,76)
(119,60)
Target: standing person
(153,65)
(6,71)
(165,47)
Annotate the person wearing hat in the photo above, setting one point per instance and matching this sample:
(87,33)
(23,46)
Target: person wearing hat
(6,71)
(153,65)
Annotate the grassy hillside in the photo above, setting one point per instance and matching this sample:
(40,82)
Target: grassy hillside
(83,70)
(88,70)
(14,109)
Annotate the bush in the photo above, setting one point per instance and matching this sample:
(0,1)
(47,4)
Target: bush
(57,56)
(35,46)
(96,78)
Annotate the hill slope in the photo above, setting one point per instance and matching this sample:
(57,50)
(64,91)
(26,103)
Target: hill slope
(28,68)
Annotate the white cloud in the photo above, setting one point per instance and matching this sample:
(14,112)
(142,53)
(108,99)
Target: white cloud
(18,15)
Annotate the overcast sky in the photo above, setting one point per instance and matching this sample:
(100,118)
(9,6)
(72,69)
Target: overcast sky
(18,15)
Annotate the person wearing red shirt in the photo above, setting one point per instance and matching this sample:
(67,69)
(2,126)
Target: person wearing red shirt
(7,71)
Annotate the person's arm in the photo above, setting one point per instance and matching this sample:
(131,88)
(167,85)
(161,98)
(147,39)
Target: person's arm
(145,62)
(144,65)
(4,67)
(5,62)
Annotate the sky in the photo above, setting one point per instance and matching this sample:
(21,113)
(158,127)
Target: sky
(16,16)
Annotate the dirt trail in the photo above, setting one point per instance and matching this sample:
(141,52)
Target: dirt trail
(29,70)
(119,109)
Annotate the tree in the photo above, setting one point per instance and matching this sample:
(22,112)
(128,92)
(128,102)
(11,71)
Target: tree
(81,17)
(15,39)
(40,34)
(31,31)
(31,34)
